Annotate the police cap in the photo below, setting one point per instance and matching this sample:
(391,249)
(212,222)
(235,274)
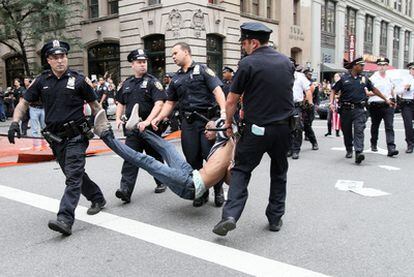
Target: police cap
(382,61)
(55,47)
(357,61)
(254,30)
(227,69)
(137,54)
(410,65)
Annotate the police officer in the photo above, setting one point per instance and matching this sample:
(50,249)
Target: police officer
(227,79)
(352,88)
(197,89)
(407,108)
(267,114)
(145,90)
(102,92)
(379,110)
(63,92)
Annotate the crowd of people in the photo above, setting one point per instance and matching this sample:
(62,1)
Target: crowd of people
(226,126)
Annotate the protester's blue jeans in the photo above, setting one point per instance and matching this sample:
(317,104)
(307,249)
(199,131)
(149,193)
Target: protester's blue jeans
(2,114)
(176,174)
(37,123)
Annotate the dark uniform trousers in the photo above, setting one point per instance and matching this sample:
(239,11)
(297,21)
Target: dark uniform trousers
(308,117)
(297,134)
(381,111)
(407,113)
(353,118)
(70,155)
(129,171)
(249,152)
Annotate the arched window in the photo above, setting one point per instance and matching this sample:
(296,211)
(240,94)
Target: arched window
(104,58)
(14,69)
(215,53)
(155,50)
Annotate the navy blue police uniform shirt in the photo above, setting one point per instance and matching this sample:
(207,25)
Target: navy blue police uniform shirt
(194,89)
(265,78)
(101,90)
(353,88)
(145,91)
(63,98)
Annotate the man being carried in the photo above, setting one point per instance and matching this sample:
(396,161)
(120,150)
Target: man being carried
(177,174)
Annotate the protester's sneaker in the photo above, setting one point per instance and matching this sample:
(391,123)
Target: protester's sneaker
(96,207)
(224,226)
(101,123)
(60,226)
(160,188)
(200,201)
(134,119)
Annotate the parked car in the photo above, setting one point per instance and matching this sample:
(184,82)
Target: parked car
(323,108)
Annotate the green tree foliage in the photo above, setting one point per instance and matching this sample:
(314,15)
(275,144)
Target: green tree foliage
(23,23)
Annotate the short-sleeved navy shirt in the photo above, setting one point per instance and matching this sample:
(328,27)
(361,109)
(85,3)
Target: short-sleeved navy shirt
(145,91)
(63,97)
(265,78)
(101,90)
(194,89)
(352,88)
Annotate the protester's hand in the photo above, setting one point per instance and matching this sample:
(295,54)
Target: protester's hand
(142,125)
(119,123)
(13,130)
(154,123)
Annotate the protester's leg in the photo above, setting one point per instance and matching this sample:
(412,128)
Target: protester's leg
(35,125)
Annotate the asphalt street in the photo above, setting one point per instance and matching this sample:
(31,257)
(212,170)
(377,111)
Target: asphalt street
(327,231)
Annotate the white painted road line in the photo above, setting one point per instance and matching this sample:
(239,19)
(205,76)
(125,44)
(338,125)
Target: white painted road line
(390,168)
(222,255)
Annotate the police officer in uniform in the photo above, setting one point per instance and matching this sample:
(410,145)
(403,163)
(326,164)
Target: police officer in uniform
(198,91)
(267,114)
(379,110)
(146,91)
(352,88)
(63,92)
(227,79)
(102,92)
(406,101)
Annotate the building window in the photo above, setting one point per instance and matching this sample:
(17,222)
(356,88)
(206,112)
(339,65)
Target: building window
(112,6)
(408,7)
(155,49)
(398,5)
(242,7)
(407,36)
(215,53)
(14,69)
(328,16)
(255,7)
(368,34)
(383,39)
(350,25)
(153,2)
(103,59)
(296,12)
(269,8)
(93,8)
(396,45)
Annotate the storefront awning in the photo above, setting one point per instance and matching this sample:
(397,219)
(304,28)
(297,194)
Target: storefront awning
(331,67)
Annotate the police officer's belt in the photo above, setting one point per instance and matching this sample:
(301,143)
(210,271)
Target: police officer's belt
(350,105)
(70,130)
(377,104)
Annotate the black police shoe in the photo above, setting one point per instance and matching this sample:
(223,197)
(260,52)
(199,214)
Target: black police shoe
(409,150)
(219,198)
(328,134)
(60,226)
(337,133)
(315,146)
(96,207)
(275,227)
(348,154)
(160,188)
(201,200)
(224,226)
(289,153)
(374,148)
(359,157)
(295,155)
(392,152)
(123,195)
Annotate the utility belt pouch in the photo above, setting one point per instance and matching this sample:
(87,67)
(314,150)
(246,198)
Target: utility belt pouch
(50,137)
(86,129)
(294,122)
(241,125)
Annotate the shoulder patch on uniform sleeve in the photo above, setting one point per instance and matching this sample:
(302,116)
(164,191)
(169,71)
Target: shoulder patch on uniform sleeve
(210,72)
(159,86)
(89,82)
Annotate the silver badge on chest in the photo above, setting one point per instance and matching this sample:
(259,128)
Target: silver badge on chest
(71,83)
(144,84)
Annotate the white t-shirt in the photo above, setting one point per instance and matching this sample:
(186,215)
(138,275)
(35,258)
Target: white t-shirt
(408,94)
(383,84)
(300,85)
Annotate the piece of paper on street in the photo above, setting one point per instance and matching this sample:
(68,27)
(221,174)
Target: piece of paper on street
(346,185)
(369,192)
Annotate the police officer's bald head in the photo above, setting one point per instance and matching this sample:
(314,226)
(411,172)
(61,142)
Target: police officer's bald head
(183,46)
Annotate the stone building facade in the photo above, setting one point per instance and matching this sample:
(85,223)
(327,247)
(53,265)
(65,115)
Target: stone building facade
(110,29)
